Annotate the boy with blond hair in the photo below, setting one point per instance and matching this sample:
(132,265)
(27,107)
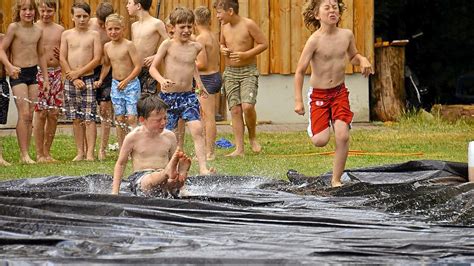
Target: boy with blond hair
(178,56)
(208,65)
(158,167)
(326,51)
(104,9)
(80,53)
(24,39)
(241,41)
(122,55)
(147,35)
(48,107)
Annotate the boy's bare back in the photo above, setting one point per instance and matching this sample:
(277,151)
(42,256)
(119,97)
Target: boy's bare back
(211,46)
(51,41)
(79,47)
(179,63)
(241,37)
(121,55)
(23,42)
(328,61)
(149,150)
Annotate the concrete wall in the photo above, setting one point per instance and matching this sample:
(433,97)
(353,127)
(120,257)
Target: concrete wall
(275,100)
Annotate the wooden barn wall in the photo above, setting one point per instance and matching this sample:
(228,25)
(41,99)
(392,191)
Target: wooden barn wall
(280,20)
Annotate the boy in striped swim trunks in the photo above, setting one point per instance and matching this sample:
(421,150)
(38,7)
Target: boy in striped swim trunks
(328,97)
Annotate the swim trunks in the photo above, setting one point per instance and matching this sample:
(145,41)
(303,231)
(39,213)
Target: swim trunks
(147,83)
(212,82)
(135,180)
(183,105)
(80,103)
(103,92)
(241,84)
(27,76)
(4,100)
(54,97)
(125,101)
(326,106)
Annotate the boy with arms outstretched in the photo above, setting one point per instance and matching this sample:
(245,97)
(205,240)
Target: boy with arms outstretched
(24,39)
(241,41)
(80,53)
(147,35)
(326,51)
(48,107)
(122,55)
(179,57)
(208,66)
(158,167)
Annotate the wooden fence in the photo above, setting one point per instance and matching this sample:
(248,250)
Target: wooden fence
(280,20)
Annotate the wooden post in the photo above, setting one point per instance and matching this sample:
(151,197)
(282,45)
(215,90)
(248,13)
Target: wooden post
(387,96)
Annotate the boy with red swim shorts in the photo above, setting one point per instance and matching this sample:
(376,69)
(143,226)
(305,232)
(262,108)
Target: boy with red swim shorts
(326,51)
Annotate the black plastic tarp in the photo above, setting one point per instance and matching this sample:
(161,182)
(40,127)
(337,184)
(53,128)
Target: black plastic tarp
(416,212)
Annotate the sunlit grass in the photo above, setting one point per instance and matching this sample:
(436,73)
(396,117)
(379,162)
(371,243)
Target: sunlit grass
(384,143)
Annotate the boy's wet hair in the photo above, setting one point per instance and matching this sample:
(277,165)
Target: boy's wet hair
(227,4)
(17,8)
(104,9)
(181,15)
(48,3)
(149,103)
(115,18)
(82,5)
(146,4)
(202,15)
(309,9)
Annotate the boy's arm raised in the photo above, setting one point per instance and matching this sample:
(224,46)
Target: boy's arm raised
(300,71)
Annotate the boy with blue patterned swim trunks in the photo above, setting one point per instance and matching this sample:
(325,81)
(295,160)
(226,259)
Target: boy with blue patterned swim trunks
(179,57)
(121,54)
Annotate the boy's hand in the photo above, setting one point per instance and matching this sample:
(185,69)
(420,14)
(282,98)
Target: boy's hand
(299,108)
(366,67)
(13,71)
(225,51)
(237,56)
(147,61)
(79,84)
(56,52)
(97,84)
(167,84)
(122,84)
(72,75)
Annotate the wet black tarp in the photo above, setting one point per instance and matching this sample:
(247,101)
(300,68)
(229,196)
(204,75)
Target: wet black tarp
(417,212)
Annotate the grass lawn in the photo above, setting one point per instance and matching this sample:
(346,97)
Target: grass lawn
(413,138)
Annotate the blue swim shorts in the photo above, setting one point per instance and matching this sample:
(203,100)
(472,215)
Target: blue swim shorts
(212,82)
(125,101)
(183,105)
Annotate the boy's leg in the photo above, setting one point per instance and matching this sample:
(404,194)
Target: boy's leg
(238,130)
(25,117)
(91,136)
(52,116)
(180,133)
(2,161)
(39,134)
(105,125)
(159,179)
(121,129)
(251,122)
(131,122)
(209,118)
(79,134)
(195,127)
(341,130)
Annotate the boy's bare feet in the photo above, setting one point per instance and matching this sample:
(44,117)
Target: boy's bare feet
(170,170)
(183,167)
(50,159)
(210,156)
(4,163)
(209,171)
(42,159)
(255,146)
(27,160)
(235,154)
(335,183)
(101,156)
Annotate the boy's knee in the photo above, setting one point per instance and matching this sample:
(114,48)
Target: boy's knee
(342,137)
(27,117)
(320,141)
(236,110)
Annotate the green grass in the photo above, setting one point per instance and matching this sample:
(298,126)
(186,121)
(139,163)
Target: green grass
(393,143)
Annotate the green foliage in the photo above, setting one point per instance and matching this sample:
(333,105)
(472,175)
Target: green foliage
(382,143)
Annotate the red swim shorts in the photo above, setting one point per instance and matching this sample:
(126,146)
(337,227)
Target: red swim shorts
(327,106)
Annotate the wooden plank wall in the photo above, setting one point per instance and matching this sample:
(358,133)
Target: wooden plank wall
(280,20)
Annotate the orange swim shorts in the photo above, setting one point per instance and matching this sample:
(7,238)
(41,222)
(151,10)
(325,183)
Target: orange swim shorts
(327,106)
